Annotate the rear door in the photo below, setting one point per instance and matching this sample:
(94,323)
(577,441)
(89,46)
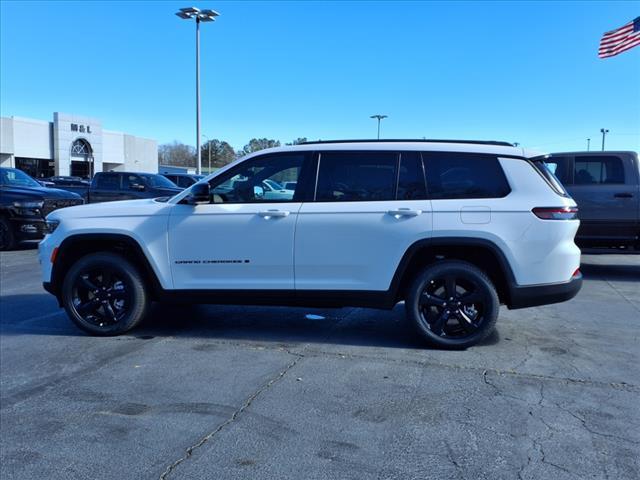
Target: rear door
(368,208)
(105,187)
(605,187)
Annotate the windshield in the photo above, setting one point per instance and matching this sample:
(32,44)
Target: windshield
(16,178)
(158,181)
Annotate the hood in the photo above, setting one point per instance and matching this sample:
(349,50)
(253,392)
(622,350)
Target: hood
(40,193)
(124,208)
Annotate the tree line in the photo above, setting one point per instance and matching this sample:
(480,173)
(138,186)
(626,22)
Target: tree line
(181,155)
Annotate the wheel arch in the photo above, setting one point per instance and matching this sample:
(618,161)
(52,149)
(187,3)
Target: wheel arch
(480,252)
(76,246)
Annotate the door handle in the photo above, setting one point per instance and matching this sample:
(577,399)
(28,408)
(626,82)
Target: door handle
(623,195)
(404,212)
(273,214)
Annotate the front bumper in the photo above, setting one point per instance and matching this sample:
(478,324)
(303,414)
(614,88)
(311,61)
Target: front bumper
(545,294)
(28,228)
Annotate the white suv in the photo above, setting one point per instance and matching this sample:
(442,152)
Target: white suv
(452,228)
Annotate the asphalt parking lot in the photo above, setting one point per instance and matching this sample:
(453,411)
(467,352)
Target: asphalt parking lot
(237,392)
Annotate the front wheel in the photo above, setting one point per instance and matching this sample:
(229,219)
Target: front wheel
(104,294)
(453,304)
(7,237)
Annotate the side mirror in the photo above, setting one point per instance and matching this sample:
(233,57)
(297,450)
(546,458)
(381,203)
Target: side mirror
(258,192)
(137,187)
(200,193)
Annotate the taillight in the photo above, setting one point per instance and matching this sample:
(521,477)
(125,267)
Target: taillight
(576,273)
(556,213)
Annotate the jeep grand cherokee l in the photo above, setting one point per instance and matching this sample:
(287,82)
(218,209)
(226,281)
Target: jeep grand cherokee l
(452,228)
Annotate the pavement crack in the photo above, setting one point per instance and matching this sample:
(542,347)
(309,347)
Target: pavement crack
(234,415)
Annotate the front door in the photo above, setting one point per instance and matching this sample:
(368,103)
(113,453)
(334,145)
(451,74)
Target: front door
(242,239)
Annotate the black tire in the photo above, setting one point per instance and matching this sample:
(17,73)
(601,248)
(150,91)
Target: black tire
(7,237)
(104,294)
(457,317)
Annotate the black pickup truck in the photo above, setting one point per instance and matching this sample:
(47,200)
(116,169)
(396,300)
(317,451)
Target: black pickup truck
(606,187)
(112,186)
(24,204)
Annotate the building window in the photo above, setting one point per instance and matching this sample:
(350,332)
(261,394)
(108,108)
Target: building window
(81,148)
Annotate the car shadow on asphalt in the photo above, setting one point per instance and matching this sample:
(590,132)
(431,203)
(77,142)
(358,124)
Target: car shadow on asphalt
(39,315)
(614,272)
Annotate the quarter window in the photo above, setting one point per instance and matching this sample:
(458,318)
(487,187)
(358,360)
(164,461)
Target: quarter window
(598,169)
(464,175)
(356,176)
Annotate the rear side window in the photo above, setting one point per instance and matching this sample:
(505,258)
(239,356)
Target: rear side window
(598,169)
(464,175)
(411,180)
(356,176)
(108,181)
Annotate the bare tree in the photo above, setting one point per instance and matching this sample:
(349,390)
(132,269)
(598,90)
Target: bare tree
(221,153)
(177,154)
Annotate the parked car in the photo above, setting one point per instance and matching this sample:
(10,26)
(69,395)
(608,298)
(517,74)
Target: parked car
(183,180)
(606,187)
(24,204)
(453,229)
(70,183)
(111,186)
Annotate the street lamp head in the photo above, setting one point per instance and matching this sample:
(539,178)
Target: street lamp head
(379,117)
(201,15)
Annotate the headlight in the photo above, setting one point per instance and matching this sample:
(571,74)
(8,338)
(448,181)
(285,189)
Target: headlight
(50,225)
(28,204)
(28,208)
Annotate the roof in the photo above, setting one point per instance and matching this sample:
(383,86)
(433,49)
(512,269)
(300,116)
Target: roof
(464,146)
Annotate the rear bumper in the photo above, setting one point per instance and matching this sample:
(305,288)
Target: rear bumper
(532,296)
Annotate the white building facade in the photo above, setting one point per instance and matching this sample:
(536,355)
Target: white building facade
(72,145)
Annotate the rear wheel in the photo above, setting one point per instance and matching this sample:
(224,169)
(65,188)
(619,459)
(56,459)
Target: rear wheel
(7,237)
(453,304)
(104,294)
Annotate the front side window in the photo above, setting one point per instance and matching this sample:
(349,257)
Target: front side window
(259,180)
(598,169)
(130,181)
(464,175)
(356,176)
(158,181)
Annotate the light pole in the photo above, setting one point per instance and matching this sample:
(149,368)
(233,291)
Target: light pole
(588,144)
(379,117)
(200,16)
(208,148)
(604,131)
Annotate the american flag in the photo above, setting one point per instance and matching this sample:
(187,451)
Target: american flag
(621,39)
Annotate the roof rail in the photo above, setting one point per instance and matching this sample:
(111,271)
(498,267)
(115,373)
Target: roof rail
(421,140)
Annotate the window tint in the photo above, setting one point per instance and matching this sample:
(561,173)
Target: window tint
(129,181)
(108,181)
(356,176)
(411,181)
(259,180)
(598,169)
(464,175)
(559,167)
(183,181)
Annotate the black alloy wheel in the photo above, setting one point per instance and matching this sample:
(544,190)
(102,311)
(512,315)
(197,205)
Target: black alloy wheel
(104,294)
(7,238)
(453,304)
(101,297)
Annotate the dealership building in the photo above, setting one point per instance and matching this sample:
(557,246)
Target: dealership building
(72,145)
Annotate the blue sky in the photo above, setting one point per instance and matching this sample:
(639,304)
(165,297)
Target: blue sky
(516,71)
